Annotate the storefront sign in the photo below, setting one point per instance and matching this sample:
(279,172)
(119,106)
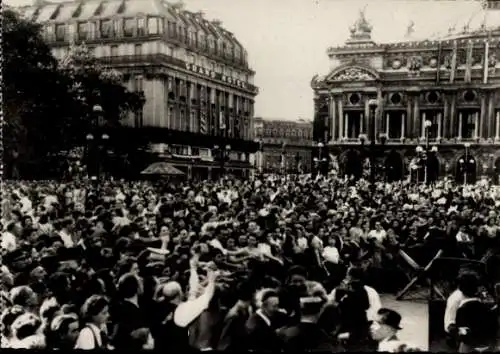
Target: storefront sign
(212,74)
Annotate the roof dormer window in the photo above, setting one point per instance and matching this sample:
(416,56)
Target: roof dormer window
(129,27)
(83,31)
(153,25)
(106,28)
(141,27)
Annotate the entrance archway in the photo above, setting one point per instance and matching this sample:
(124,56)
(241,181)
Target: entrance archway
(466,167)
(393,167)
(352,164)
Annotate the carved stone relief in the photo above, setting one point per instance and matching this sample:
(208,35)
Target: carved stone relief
(353,74)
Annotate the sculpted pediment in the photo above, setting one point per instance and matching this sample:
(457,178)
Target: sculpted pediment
(353,73)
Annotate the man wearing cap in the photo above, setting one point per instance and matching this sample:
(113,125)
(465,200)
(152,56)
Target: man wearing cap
(384,330)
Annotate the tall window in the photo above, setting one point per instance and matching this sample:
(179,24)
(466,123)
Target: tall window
(202,40)
(182,120)
(141,27)
(211,44)
(172,29)
(394,124)
(170,115)
(193,126)
(139,83)
(92,30)
(469,118)
(60,32)
(138,49)
(106,28)
(152,25)
(117,28)
(114,51)
(181,33)
(129,27)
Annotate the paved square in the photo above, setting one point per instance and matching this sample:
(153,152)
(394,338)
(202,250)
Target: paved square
(415,320)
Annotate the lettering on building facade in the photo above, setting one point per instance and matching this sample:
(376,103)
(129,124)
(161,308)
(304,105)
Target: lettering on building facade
(217,76)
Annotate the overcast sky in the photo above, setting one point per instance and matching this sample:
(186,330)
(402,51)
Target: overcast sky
(287,39)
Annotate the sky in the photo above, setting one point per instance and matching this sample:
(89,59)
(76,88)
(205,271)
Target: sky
(287,40)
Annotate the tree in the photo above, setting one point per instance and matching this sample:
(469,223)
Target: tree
(92,84)
(47,104)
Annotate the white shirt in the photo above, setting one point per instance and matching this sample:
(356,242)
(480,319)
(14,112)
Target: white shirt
(452,304)
(27,205)
(373,300)
(378,235)
(390,346)
(188,311)
(66,238)
(331,254)
(88,337)
(8,241)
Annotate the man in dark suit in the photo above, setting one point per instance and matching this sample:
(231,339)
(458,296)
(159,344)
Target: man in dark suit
(261,334)
(476,322)
(233,332)
(308,335)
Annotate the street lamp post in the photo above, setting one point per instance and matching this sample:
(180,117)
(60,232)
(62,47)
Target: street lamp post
(94,148)
(321,158)
(467,163)
(427,126)
(420,158)
(372,105)
(223,154)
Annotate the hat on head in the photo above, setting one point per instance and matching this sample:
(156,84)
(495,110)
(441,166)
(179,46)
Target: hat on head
(390,318)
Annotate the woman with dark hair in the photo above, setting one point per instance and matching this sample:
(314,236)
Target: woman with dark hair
(95,315)
(63,332)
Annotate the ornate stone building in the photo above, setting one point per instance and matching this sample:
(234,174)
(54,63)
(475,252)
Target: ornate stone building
(278,138)
(194,73)
(442,95)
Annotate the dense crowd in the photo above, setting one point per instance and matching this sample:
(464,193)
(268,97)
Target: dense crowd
(269,263)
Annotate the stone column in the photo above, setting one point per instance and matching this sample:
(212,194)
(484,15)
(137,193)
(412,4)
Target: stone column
(416,117)
(439,118)
(445,119)
(497,126)
(387,124)
(409,131)
(490,117)
(452,119)
(459,126)
(346,125)
(476,125)
(482,118)
(341,119)
(379,113)
(402,125)
(333,118)
(367,117)
(422,126)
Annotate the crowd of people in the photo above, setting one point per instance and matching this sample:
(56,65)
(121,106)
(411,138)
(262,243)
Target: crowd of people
(267,263)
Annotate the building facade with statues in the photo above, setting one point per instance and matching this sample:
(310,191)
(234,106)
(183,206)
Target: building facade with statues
(193,72)
(419,108)
(285,146)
